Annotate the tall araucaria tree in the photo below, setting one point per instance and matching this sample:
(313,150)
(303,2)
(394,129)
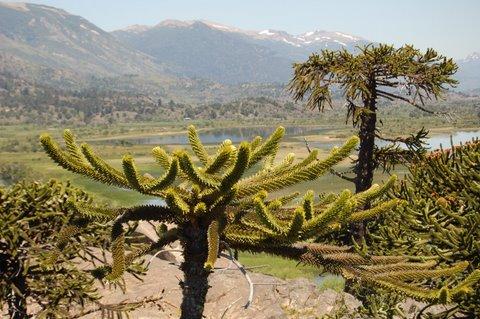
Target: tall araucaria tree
(377,72)
(213,207)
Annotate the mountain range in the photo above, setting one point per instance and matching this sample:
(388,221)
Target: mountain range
(227,54)
(50,44)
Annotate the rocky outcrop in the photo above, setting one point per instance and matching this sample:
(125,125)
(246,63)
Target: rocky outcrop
(273,297)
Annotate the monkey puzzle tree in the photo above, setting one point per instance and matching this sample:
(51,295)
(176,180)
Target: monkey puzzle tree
(376,72)
(38,279)
(213,207)
(443,216)
(30,216)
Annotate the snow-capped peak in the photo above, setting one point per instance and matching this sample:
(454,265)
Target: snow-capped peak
(310,38)
(475,56)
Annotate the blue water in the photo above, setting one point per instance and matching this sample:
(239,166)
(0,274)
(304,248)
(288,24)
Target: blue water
(457,137)
(216,136)
(296,133)
(445,140)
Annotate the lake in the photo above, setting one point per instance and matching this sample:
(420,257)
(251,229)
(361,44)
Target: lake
(458,137)
(216,136)
(293,133)
(445,140)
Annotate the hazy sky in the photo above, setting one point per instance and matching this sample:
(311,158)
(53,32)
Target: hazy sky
(451,26)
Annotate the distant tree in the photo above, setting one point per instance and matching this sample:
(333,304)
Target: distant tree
(214,207)
(376,72)
(212,114)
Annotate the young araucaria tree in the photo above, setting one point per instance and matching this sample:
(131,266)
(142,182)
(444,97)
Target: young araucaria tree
(443,215)
(376,72)
(214,207)
(32,285)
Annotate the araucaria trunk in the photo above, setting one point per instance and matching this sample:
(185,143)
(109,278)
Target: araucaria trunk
(17,305)
(195,284)
(12,268)
(365,165)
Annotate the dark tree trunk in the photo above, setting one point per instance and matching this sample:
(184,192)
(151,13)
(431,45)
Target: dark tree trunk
(195,284)
(17,304)
(364,171)
(365,165)
(12,269)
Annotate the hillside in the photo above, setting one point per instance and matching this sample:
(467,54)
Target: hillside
(51,37)
(22,101)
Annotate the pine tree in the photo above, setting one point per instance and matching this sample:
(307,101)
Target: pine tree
(442,217)
(376,72)
(213,207)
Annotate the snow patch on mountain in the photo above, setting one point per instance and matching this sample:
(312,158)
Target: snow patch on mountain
(88,29)
(291,43)
(475,56)
(346,36)
(266,32)
(218,26)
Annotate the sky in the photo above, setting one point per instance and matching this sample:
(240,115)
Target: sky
(450,26)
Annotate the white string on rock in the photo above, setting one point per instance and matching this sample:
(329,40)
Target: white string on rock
(245,274)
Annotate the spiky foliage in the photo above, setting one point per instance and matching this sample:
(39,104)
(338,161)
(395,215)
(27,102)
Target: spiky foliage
(443,215)
(212,204)
(376,72)
(42,241)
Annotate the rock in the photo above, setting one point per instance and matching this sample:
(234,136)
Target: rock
(168,256)
(147,229)
(273,297)
(412,308)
